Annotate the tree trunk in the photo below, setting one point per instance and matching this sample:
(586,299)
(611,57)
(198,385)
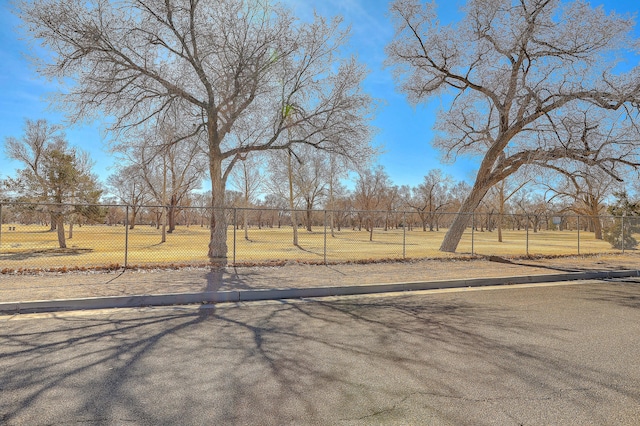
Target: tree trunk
(501,211)
(454,234)
(52,227)
(70,229)
(134,213)
(218,230)
(597,227)
(309,213)
(294,221)
(59,220)
(595,223)
(164,225)
(172,214)
(332,223)
(423,219)
(164,200)
(245,224)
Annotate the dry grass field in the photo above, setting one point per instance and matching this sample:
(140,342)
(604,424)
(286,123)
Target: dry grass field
(34,247)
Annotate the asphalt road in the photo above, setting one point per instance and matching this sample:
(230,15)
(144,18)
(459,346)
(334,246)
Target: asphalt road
(541,355)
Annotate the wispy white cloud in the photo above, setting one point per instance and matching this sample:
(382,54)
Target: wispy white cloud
(366,17)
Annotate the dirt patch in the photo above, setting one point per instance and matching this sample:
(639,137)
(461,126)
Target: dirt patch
(80,284)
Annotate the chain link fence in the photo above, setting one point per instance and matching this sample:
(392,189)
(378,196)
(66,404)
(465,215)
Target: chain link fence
(115,236)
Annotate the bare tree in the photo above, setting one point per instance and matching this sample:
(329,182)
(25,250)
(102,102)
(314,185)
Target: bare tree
(525,75)
(503,191)
(307,173)
(248,179)
(530,207)
(393,200)
(200,203)
(341,205)
(277,205)
(311,178)
(431,197)
(226,65)
(128,184)
(372,187)
(337,170)
(170,170)
(280,169)
(586,190)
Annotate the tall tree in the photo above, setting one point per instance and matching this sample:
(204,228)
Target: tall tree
(502,192)
(340,203)
(280,184)
(200,204)
(300,176)
(128,185)
(431,197)
(337,170)
(54,174)
(530,78)
(248,178)
(311,178)
(586,189)
(226,65)
(372,187)
(167,156)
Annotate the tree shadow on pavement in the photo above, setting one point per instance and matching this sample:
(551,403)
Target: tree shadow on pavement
(218,279)
(618,293)
(353,360)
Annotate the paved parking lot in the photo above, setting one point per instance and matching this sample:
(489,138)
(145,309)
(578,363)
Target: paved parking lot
(560,354)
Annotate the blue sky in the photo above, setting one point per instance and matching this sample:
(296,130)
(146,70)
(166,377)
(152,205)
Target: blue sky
(405,132)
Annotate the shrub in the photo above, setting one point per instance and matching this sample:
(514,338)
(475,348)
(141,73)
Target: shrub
(614,235)
(619,235)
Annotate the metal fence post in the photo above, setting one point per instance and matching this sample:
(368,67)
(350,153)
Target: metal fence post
(622,233)
(0,227)
(404,235)
(579,233)
(325,238)
(235,226)
(126,237)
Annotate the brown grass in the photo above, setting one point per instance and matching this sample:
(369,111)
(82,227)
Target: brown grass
(33,247)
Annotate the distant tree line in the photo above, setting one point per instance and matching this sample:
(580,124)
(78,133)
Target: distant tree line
(163,189)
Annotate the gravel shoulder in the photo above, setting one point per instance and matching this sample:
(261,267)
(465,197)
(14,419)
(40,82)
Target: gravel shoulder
(49,286)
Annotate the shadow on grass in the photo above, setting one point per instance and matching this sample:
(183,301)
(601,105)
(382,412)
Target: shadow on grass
(42,253)
(319,254)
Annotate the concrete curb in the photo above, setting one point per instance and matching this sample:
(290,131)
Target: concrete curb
(290,293)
